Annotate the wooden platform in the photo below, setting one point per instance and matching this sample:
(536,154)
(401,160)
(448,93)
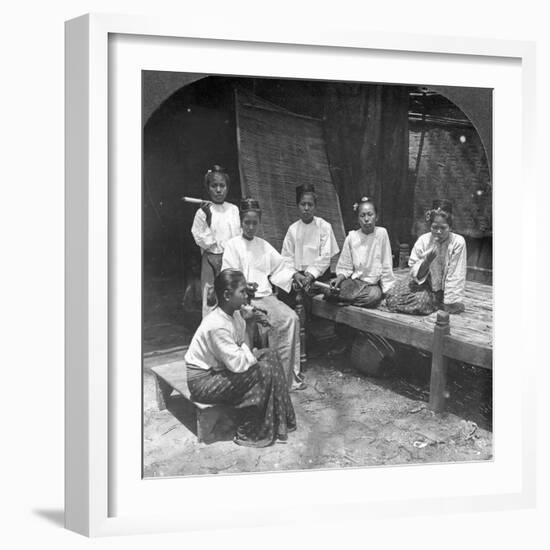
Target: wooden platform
(471,333)
(467,336)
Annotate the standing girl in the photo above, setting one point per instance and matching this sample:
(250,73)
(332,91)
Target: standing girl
(438,268)
(222,369)
(263,266)
(364,271)
(214,224)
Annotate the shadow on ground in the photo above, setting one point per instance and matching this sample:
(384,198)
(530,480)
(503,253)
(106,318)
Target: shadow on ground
(345,419)
(56,517)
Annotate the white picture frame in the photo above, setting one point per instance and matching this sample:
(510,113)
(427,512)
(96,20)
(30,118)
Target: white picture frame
(95,426)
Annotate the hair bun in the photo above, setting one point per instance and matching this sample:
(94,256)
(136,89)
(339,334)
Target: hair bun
(216,169)
(362,200)
(249,204)
(443,204)
(440,207)
(302,189)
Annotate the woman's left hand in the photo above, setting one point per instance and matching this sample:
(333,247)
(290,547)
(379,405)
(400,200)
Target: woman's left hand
(247,312)
(299,279)
(308,280)
(261,318)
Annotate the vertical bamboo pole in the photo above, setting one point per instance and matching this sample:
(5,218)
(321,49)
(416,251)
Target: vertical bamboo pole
(438,378)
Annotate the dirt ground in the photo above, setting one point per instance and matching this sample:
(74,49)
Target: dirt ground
(345,419)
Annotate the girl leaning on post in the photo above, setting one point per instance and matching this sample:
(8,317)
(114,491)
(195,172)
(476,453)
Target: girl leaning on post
(437,277)
(224,368)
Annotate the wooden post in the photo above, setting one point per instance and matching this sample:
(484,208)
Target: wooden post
(301,312)
(438,378)
(403,255)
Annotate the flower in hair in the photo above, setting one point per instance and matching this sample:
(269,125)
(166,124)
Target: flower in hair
(433,212)
(361,201)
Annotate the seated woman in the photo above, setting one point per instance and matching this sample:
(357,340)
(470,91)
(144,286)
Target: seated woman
(222,369)
(364,270)
(438,268)
(309,244)
(262,265)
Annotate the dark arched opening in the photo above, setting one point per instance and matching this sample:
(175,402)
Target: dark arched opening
(404,144)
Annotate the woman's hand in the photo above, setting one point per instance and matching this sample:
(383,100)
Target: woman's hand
(299,279)
(308,280)
(251,313)
(336,282)
(431,255)
(247,312)
(261,318)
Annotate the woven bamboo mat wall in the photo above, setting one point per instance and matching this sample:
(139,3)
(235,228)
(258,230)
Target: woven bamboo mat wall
(453,165)
(279,150)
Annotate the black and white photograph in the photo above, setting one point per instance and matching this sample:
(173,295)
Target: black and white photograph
(317,268)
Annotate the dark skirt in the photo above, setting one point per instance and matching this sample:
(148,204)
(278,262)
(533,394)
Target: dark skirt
(211,266)
(355,292)
(407,296)
(261,392)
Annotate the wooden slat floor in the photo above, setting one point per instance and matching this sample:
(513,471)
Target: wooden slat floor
(471,335)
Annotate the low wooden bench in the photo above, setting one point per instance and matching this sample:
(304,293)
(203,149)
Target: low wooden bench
(466,337)
(202,419)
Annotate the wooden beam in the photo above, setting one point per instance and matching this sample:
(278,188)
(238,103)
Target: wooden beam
(470,341)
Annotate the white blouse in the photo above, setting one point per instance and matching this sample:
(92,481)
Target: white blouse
(260,263)
(449,273)
(368,258)
(310,246)
(225,224)
(219,343)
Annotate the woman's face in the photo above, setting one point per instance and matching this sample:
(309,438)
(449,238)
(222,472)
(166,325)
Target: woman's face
(238,297)
(250,224)
(306,207)
(440,229)
(217,188)
(366,215)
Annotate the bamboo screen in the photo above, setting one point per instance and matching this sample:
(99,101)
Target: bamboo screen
(279,150)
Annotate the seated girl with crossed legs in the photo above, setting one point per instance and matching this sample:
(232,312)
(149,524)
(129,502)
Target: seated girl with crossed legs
(364,271)
(223,369)
(437,277)
(309,244)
